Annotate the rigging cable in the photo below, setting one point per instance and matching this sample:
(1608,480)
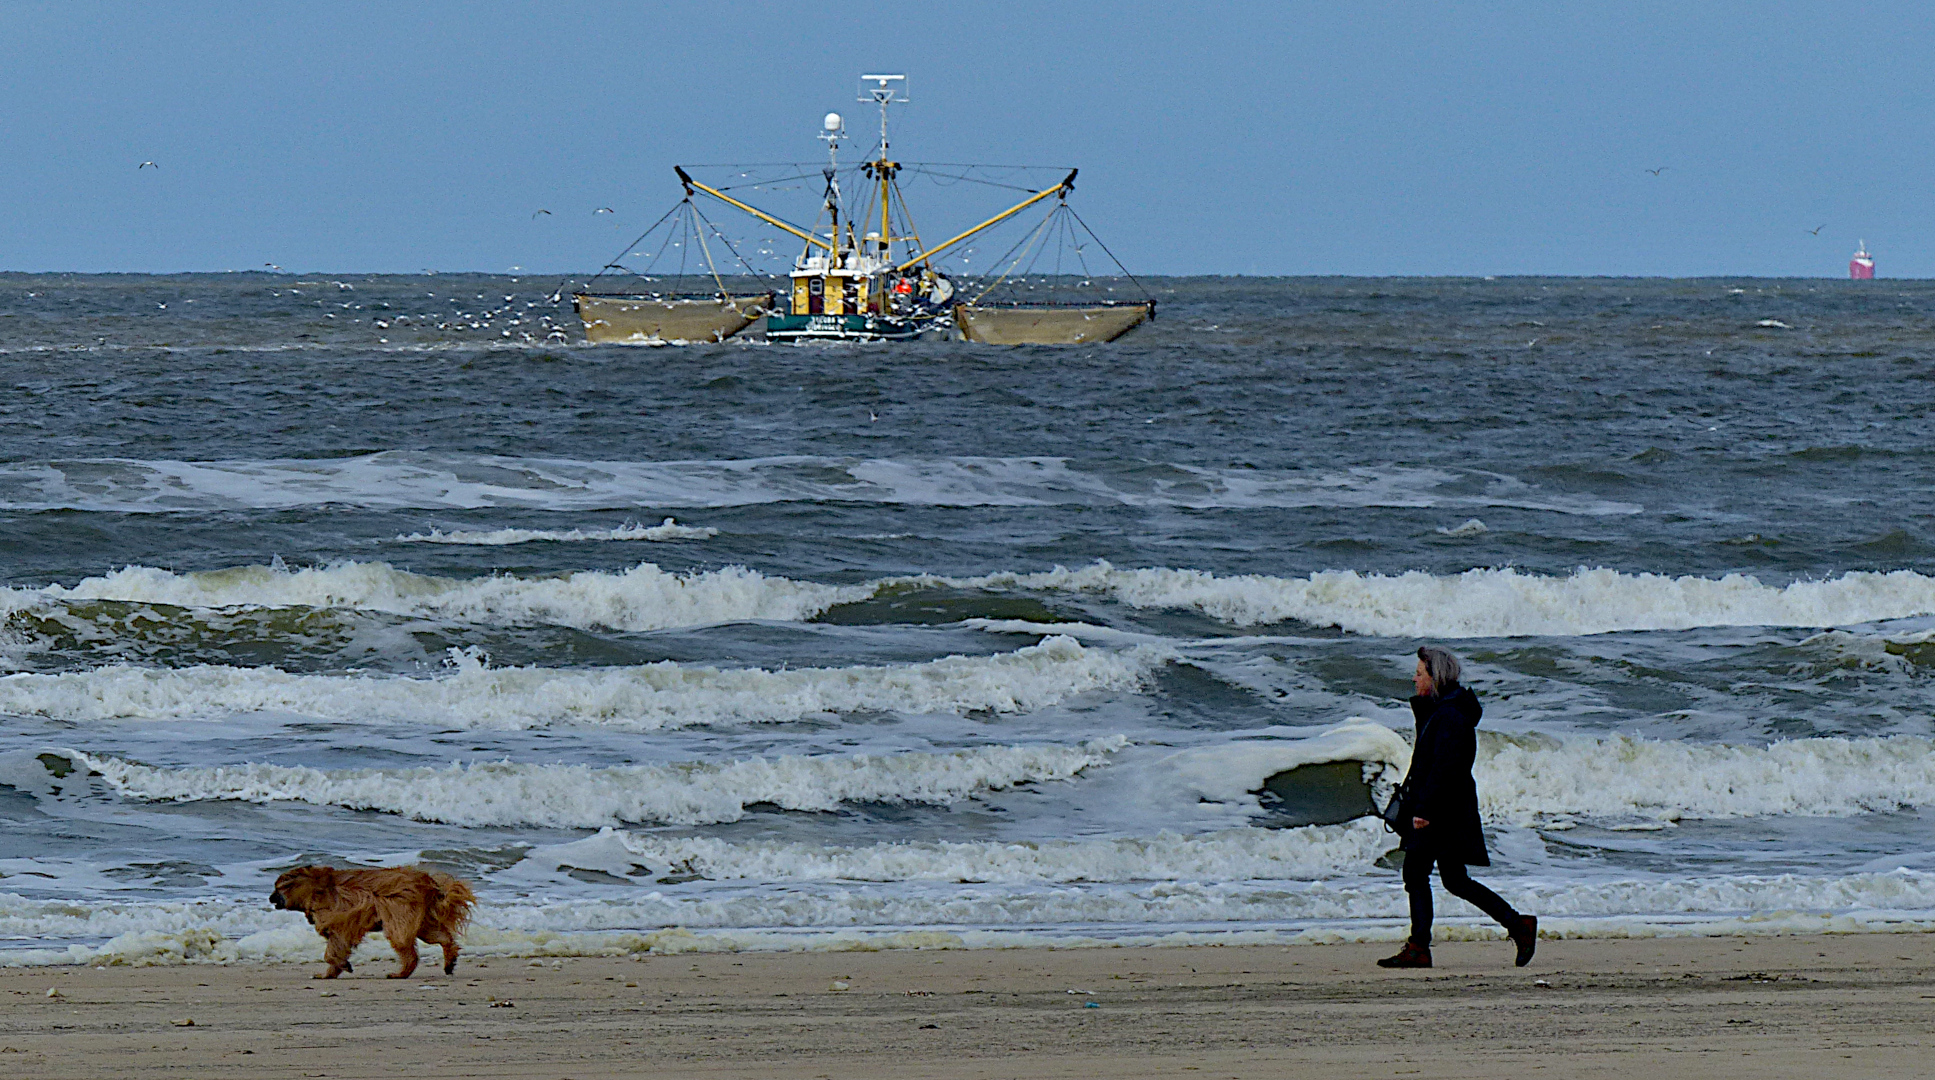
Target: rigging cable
(1029,239)
(1105,250)
(558,292)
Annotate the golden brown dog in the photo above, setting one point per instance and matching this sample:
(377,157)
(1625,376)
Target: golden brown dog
(407,903)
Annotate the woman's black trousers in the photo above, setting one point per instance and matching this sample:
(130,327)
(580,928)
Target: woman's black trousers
(1417,882)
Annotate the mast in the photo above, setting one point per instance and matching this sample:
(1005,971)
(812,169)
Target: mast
(835,129)
(886,90)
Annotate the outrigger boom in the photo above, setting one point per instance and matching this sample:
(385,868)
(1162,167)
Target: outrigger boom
(1067,185)
(753,210)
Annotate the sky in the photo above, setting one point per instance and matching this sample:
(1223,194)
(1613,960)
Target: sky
(1269,138)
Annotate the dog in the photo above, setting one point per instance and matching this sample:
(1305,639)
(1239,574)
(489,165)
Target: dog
(407,903)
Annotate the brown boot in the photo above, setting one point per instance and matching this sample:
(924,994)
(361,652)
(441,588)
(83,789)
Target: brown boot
(1525,934)
(1413,955)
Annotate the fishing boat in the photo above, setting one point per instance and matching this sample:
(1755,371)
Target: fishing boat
(863,272)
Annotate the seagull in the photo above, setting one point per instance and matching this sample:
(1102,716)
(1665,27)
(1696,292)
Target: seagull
(146,165)
(534,216)
(1657,171)
(604,210)
(1816,230)
(274,267)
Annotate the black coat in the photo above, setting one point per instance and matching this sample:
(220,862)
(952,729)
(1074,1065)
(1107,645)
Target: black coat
(1439,788)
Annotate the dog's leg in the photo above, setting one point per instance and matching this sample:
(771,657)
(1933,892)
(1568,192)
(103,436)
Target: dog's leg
(406,954)
(440,936)
(336,954)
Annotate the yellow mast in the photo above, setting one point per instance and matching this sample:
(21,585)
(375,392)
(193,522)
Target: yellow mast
(1067,185)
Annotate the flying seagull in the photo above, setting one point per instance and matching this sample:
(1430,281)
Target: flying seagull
(1816,230)
(1657,171)
(604,210)
(273,266)
(534,216)
(146,165)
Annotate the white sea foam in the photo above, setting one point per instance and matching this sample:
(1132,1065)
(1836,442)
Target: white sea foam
(1528,779)
(1230,855)
(577,796)
(1489,603)
(420,480)
(641,598)
(631,530)
(646,697)
(842,915)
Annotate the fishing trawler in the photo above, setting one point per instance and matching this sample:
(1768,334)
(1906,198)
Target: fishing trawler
(863,272)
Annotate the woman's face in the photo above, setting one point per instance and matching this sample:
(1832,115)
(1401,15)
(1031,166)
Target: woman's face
(1421,680)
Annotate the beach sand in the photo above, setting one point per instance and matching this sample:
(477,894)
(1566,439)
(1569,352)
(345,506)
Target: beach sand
(1716,1008)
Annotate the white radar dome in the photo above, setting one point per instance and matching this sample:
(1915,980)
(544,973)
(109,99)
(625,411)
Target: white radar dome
(833,121)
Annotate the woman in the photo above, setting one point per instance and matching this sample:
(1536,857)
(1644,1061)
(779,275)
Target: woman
(1441,801)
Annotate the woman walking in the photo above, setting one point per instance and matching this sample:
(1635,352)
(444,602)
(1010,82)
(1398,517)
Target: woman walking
(1439,812)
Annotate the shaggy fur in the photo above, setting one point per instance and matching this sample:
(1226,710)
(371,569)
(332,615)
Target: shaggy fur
(407,903)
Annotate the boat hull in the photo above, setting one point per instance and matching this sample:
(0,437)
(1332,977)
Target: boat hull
(645,320)
(843,328)
(1049,325)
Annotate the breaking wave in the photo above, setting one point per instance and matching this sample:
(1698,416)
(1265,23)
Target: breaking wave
(1534,779)
(1488,603)
(1477,603)
(641,598)
(580,796)
(645,697)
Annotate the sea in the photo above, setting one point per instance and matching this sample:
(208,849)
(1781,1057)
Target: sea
(944,645)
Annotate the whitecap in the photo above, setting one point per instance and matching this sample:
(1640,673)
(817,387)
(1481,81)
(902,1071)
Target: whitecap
(641,698)
(1486,603)
(580,796)
(631,530)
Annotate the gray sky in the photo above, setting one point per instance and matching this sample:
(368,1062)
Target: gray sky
(1280,138)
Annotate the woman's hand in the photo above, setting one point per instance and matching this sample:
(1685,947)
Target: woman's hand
(1420,823)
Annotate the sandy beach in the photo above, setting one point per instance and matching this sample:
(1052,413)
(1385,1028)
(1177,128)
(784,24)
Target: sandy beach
(1839,1006)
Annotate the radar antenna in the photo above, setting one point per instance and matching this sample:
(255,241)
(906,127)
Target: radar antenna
(886,90)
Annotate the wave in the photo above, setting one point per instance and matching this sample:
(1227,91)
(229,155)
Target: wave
(1486,603)
(578,796)
(642,698)
(422,480)
(1524,780)
(641,598)
(1477,603)
(1534,779)
(1308,854)
(631,530)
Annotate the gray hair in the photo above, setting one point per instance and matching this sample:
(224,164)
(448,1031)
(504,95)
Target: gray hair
(1443,667)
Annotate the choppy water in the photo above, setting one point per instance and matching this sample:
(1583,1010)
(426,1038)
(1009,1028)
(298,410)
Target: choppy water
(770,646)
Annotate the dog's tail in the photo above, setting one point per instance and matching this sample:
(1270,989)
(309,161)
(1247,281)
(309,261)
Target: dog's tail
(453,903)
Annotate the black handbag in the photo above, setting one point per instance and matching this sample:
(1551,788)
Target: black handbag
(1396,817)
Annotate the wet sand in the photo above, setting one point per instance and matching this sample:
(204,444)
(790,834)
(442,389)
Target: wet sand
(1841,1006)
